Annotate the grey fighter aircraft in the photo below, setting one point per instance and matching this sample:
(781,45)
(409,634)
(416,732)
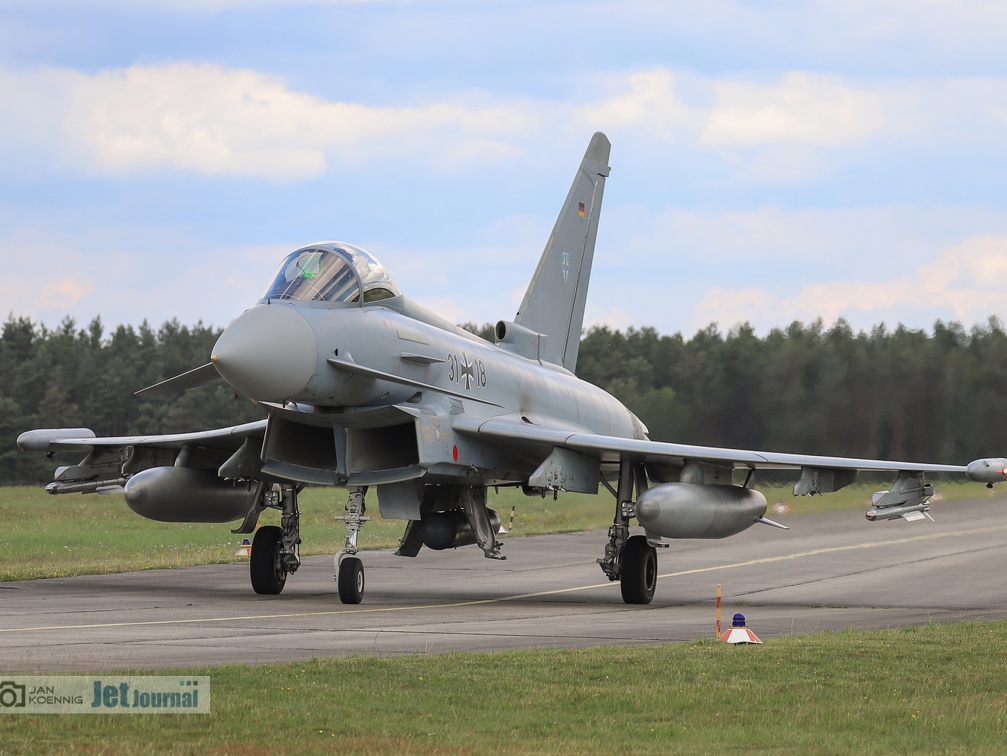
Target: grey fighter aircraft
(366,390)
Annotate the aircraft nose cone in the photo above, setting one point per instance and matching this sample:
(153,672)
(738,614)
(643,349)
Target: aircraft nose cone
(268,353)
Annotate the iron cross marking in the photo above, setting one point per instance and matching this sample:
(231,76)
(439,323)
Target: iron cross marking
(468,372)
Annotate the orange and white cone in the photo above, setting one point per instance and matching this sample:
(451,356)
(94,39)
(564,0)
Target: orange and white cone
(738,632)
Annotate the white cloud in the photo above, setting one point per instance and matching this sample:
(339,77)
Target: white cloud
(802,109)
(795,109)
(644,101)
(789,243)
(41,272)
(30,295)
(65,292)
(55,272)
(211,120)
(615,317)
(964,283)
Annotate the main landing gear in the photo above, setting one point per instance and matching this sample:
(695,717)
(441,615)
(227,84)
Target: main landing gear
(275,549)
(632,560)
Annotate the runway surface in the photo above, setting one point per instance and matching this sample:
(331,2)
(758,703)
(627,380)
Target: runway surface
(830,571)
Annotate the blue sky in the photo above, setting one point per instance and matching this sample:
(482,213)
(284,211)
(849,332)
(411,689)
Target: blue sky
(771,161)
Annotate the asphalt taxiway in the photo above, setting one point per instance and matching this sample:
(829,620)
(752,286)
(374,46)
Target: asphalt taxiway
(830,571)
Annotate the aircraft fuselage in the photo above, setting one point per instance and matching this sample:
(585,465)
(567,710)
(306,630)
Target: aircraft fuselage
(331,359)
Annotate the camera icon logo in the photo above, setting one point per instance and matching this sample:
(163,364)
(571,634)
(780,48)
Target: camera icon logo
(11,695)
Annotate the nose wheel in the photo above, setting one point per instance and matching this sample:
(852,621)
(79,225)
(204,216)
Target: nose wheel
(350,580)
(349,568)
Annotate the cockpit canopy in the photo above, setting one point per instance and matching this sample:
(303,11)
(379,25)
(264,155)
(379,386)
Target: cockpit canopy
(331,272)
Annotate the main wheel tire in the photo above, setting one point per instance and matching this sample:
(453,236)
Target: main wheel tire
(639,571)
(266,565)
(351,580)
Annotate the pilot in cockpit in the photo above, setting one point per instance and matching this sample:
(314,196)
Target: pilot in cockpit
(331,272)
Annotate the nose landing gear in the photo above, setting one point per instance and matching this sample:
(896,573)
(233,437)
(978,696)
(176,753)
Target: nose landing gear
(349,569)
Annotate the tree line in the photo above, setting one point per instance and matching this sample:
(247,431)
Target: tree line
(890,394)
(72,377)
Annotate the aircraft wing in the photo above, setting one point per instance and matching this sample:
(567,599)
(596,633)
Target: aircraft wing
(112,460)
(516,433)
(573,460)
(83,439)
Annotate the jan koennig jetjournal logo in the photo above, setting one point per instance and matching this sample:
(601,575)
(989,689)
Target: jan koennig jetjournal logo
(104,694)
(12,695)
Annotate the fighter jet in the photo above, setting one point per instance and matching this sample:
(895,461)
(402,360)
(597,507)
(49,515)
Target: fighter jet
(366,390)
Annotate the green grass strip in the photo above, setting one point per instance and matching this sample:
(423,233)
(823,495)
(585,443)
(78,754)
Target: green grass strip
(59,536)
(934,689)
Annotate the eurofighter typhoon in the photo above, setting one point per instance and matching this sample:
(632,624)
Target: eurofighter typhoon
(368,391)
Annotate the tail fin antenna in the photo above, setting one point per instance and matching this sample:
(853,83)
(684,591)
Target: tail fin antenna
(555,301)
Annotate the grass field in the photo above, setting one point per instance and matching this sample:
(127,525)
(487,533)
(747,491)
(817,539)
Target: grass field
(935,689)
(56,536)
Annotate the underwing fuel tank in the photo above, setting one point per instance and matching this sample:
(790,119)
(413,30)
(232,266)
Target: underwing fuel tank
(692,510)
(181,494)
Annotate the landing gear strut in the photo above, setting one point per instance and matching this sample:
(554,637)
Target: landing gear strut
(473,502)
(631,560)
(349,568)
(275,550)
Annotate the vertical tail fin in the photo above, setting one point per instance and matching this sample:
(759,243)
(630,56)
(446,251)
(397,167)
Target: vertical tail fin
(555,300)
